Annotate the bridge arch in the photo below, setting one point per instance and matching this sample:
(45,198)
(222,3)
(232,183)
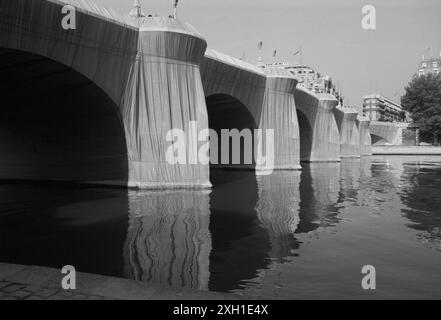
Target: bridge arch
(36,28)
(376,140)
(56,124)
(226,112)
(149,68)
(387,132)
(306,136)
(268,95)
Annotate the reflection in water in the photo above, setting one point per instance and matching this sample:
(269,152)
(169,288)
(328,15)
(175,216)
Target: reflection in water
(278,211)
(240,243)
(54,226)
(424,207)
(349,180)
(320,190)
(168,241)
(269,236)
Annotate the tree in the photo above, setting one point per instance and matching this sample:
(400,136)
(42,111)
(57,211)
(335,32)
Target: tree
(423,100)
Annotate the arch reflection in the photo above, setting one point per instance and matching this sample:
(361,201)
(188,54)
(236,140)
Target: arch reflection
(168,241)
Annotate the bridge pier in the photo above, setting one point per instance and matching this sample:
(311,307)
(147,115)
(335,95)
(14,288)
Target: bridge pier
(365,136)
(279,114)
(164,92)
(349,134)
(319,135)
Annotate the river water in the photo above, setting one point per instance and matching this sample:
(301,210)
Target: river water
(290,235)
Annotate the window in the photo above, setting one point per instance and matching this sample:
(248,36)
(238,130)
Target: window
(421,72)
(436,71)
(423,65)
(435,64)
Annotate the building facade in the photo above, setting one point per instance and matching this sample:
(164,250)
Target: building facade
(430,66)
(310,79)
(379,108)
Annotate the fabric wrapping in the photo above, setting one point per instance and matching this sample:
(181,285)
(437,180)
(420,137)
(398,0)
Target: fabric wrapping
(148,67)
(222,74)
(324,141)
(387,132)
(267,95)
(164,91)
(365,136)
(279,114)
(349,134)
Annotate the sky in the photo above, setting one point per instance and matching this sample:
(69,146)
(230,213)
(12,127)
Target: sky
(328,31)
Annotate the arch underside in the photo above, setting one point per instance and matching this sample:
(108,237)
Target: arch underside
(378,140)
(306,136)
(225,112)
(57,125)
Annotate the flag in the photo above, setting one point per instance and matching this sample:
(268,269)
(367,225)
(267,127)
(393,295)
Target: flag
(297,52)
(274,53)
(260,45)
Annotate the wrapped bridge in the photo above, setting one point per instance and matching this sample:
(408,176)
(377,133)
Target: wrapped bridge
(96,104)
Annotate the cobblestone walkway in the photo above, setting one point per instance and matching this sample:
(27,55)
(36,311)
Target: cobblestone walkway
(18,282)
(17,291)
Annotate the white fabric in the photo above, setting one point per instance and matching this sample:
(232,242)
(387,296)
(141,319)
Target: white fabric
(148,67)
(349,133)
(365,136)
(389,132)
(157,74)
(268,96)
(324,142)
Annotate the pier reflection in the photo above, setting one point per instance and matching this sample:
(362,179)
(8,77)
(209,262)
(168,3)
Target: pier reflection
(168,241)
(248,224)
(278,211)
(422,205)
(319,194)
